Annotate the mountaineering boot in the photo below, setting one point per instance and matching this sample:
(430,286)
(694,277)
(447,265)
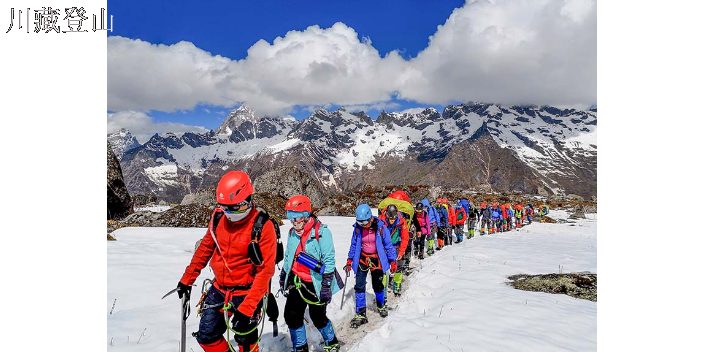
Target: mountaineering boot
(381,304)
(383,312)
(332,346)
(303,348)
(328,333)
(359,319)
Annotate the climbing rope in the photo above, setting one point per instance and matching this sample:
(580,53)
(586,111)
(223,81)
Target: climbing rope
(297,284)
(228,306)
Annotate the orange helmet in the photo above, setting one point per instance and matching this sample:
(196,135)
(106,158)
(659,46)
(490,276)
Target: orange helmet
(299,203)
(234,188)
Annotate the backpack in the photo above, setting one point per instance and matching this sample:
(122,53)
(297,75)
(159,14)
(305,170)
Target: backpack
(460,215)
(396,233)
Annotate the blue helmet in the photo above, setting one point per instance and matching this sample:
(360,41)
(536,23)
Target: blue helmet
(364,212)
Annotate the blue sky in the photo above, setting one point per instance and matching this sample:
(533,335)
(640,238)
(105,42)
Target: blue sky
(229,28)
(186,63)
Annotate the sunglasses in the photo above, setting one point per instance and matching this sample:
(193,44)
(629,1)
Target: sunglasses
(297,220)
(235,208)
(363,222)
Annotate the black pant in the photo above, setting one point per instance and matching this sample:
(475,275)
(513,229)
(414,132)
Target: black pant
(377,277)
(419,244)
(212,322)
(442,234)
(296,307)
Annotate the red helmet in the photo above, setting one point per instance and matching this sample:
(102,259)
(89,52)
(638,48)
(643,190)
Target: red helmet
(299,203)
(400,195)
(234,187)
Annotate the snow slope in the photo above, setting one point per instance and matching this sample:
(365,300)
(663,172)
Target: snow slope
(457,301)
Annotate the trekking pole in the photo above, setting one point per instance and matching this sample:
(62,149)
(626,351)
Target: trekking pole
(185,312)
(343,289)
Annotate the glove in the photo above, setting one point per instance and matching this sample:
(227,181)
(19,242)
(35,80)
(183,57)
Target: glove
(183,289)
(348,266)
(240,322)
(393,267)
(326,288)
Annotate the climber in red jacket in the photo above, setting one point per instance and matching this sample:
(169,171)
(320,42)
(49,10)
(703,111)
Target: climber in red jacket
(241,278)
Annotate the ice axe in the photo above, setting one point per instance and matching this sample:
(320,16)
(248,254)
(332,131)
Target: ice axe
(185,312)
(342,301)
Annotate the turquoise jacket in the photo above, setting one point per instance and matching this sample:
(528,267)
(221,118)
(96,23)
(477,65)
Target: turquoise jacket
(322,249)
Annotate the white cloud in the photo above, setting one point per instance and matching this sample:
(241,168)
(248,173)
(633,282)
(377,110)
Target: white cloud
(506,51)
(388,106)
(144,76)
(511,52)
(144,127)
(321,66)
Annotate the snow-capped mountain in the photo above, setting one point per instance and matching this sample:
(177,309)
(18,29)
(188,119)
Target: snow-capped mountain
(529,149)
(121,142)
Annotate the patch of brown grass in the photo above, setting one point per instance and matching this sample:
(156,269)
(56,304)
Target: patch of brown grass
(578,285)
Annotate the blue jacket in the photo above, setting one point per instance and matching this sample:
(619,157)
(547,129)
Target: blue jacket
(433,215)
(464,204)
(496,214)
(384,248)
(510,212)
(443,222)
(322,249)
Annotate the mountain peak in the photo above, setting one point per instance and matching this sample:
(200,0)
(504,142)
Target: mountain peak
(236,118)
(121,142)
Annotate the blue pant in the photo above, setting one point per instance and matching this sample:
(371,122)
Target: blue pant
(212,323)
(360,287)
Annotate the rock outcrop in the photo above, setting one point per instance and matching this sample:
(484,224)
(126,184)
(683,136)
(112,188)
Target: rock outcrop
(119,200)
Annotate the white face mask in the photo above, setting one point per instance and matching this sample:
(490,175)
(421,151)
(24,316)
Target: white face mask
(237,217)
